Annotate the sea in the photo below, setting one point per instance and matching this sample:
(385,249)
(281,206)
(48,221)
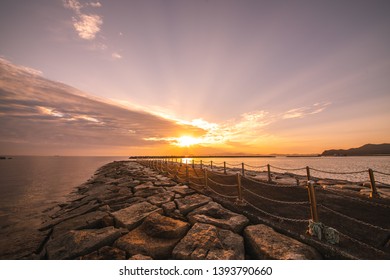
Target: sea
(31,184)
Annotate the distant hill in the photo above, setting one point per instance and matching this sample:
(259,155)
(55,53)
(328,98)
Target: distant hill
(365,150)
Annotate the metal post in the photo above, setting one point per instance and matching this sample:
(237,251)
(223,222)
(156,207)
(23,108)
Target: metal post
(243,169)
(308,173)
(269,173)
(239,187)
(313,201)
(211,165)
(374,193)
(193,164)
(201,164)
(181,161)
(224,167)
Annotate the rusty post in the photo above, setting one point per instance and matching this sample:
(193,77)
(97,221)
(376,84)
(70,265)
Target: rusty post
(239,190)
(224,167)
(308,173)
(374,193)
(269,173)
(243,169)
(205,178)
(313,201)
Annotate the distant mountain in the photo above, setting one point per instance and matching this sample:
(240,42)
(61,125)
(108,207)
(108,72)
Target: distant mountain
(365,150)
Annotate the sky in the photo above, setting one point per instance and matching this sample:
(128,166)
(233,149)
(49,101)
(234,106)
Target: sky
(117,77)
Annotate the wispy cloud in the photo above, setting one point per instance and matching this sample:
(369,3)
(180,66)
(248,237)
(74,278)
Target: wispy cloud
(248,129)
(95,4)
(116,55)
(86,25)
(305,111)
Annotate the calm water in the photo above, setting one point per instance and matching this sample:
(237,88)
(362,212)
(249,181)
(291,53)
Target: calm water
(29,185)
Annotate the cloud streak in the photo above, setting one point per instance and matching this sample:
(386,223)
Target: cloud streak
(46,114)
(86,25)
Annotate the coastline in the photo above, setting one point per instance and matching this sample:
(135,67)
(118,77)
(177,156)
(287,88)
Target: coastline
(102,210)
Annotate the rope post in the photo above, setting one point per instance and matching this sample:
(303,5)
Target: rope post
(193,164)
(201,164)
(205,178)
(313,201)
(308,173)
(211,165)
(374,193)
(269,173)
(239,190)
(224,167)
(243,169)
(181,162)
(187,179)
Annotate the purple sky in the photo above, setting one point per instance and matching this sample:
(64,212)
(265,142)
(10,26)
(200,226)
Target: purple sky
(256,76)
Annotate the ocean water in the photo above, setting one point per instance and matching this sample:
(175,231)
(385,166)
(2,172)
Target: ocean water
(29,185)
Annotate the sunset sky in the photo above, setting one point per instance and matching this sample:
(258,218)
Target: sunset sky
(119,77)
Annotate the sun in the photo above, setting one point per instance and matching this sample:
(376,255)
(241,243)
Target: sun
(186,141)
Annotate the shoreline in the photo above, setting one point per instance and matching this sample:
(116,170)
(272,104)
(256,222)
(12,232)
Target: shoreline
(99,209)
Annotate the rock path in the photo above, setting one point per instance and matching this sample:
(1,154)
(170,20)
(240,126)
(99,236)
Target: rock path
(128,211)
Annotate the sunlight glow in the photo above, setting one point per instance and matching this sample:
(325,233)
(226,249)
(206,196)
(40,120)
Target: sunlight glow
(186,141)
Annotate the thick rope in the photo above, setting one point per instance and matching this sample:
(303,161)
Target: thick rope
(222,185)
(275,216)
(353,219)
(277,201)
(338,173)
(288,169)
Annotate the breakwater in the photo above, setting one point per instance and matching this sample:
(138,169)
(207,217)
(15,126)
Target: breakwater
(131,210)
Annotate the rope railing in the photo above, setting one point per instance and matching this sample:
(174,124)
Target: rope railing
(268,184)
(254,166)
(276,201)
(356,198)
(276,216)
(382,173)
(248,195)
(338,173)
(222,185)
(288,169)
(231,164)
(353,219)
(222,195)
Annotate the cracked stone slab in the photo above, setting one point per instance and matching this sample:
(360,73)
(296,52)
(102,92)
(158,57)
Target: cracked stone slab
(265,243)
(162,198)
(213,213)
(156,237)
(132,216)
(191,202)
(76,243)
(181,190)
(90,220)
(207,242)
